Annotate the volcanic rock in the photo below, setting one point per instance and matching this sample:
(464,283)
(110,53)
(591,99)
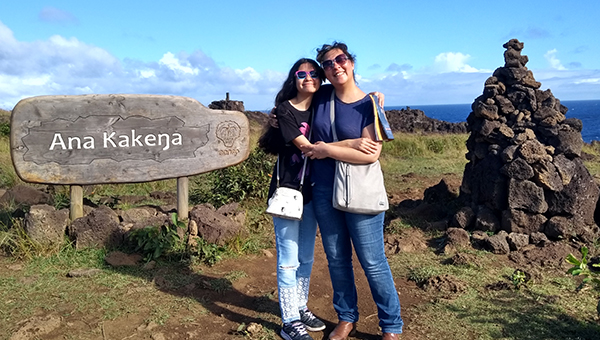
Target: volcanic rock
(525,167)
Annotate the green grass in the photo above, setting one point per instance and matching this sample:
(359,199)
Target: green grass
(503,315)
(141,189)
(425,154)
(4,122)
(8,176)
(42,285)
(550,309)
(418,156)
(593,165)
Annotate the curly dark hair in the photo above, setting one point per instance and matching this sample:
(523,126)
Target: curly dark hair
(321,52)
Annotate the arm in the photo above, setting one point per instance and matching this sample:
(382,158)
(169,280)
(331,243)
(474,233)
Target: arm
(322,150)
(300,142)
(363,144)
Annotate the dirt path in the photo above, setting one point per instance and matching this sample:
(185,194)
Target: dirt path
(252,299)
(262,277)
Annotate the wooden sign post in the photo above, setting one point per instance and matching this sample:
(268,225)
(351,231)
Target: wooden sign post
(99,139)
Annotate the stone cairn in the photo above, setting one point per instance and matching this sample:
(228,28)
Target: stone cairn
(525,174)
(231,105)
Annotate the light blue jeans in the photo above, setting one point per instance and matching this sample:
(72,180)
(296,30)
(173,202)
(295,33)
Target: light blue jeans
(295,244)
(340,231)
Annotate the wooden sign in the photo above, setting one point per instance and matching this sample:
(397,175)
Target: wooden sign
(96,139)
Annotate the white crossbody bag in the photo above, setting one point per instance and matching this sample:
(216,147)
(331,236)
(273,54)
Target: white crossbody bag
(357,188)
(287,202)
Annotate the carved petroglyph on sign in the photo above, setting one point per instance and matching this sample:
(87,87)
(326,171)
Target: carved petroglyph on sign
(95,139)
(112,137)
(228,132)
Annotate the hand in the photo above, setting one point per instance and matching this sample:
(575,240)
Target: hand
(365,145)
(380,96)
(273,119)
(318,150)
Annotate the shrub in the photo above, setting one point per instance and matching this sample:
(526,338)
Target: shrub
(154,241)
(580,267)
(15,242)
(8,177)
(209,253)
(4,129)
(249,179)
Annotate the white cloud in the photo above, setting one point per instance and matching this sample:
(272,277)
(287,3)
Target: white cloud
(6,35)
(570,84)
(67,66)
(37,81)
(62,42)
(453,62)
(174,64)
(553,61)
(249,74)
(147,73)
(588,81)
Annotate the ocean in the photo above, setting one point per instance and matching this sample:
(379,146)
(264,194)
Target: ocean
(588,111)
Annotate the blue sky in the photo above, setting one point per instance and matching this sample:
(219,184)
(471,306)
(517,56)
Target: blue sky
(416,53)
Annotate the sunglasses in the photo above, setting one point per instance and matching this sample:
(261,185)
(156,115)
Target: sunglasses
(340,60)
(302,74)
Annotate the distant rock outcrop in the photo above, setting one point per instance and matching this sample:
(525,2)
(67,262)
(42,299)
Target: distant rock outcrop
(231,105)
(525,173)
(411,120)
(260,117)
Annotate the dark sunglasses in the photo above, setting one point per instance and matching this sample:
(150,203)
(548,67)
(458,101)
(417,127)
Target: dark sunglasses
(302,74)
(340,60)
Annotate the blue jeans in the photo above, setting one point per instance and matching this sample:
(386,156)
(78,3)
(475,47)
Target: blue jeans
(340,231)
(295,244)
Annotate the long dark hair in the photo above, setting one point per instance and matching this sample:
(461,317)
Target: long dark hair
(288,89)
(271,141)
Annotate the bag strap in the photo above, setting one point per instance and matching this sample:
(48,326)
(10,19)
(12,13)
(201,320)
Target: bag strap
(312,118)
(303,172)
(332,115)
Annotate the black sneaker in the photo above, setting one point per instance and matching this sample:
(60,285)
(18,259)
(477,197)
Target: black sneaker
(294,331)
(311,322)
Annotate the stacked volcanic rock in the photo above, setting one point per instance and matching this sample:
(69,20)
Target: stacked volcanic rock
(231,105)
(525,174)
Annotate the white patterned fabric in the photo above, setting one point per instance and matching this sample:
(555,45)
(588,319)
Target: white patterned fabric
(303,286)
(288,302)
